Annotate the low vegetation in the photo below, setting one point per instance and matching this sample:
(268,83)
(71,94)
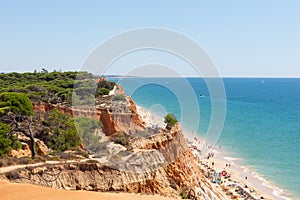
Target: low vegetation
(183,194)
(119,97)
(56,87)
(121,138)
(170,120)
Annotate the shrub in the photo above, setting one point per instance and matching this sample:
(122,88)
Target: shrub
(102,91)
(7,142)
(5,145)
(103,83)
(183,194)
(170,120)
(64,131)
(86,128)
(119,97)
(121,138)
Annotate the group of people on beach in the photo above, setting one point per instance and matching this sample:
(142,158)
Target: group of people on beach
(221,178)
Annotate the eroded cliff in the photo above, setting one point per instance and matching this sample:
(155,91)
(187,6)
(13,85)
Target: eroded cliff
(115,114)
(161,163)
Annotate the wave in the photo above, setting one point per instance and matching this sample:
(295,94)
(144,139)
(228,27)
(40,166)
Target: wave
(231,158)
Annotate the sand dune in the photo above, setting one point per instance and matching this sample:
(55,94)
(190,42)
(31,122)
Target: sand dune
(15,191)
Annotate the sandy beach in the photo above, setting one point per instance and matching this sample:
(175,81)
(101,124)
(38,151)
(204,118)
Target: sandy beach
(17,191)
(149,118)
(240,176)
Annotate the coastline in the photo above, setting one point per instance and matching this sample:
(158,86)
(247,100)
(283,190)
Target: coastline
(256,185)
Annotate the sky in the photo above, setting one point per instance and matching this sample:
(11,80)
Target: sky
(243,38)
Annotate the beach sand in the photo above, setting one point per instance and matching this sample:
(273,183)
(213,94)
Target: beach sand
(240,176)
(17,191)
(149,118)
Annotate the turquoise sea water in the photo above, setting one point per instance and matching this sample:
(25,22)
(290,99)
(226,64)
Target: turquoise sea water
(262,124)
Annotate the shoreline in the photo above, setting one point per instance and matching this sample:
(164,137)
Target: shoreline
(255,182)
(259,186)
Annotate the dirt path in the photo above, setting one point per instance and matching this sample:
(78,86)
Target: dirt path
(13,167)
(14,191)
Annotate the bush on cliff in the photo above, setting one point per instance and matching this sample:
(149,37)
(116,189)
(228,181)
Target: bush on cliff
(104,86)
(183,193)
(121,138)
(119,97)
(170,120)
(103,83)
(4,145)
(102,91)
(16,112)
(7,142)
(86,128)
(63,131)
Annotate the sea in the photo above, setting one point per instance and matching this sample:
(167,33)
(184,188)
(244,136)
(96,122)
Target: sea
(261,124)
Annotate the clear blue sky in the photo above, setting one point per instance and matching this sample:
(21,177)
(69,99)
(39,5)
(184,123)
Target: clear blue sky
(243,38)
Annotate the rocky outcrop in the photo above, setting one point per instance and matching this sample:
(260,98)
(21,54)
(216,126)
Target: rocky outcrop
(25,151)
(109,125)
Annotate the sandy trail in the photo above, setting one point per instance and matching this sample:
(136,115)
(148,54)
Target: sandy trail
(16,191)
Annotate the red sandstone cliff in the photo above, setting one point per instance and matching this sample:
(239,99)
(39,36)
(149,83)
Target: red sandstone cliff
(127,120)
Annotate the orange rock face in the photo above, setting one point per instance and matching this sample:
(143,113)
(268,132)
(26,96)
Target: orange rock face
(128,121)
(109,125)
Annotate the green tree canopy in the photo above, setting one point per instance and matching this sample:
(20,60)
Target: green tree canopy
(5,143)
(17,103)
